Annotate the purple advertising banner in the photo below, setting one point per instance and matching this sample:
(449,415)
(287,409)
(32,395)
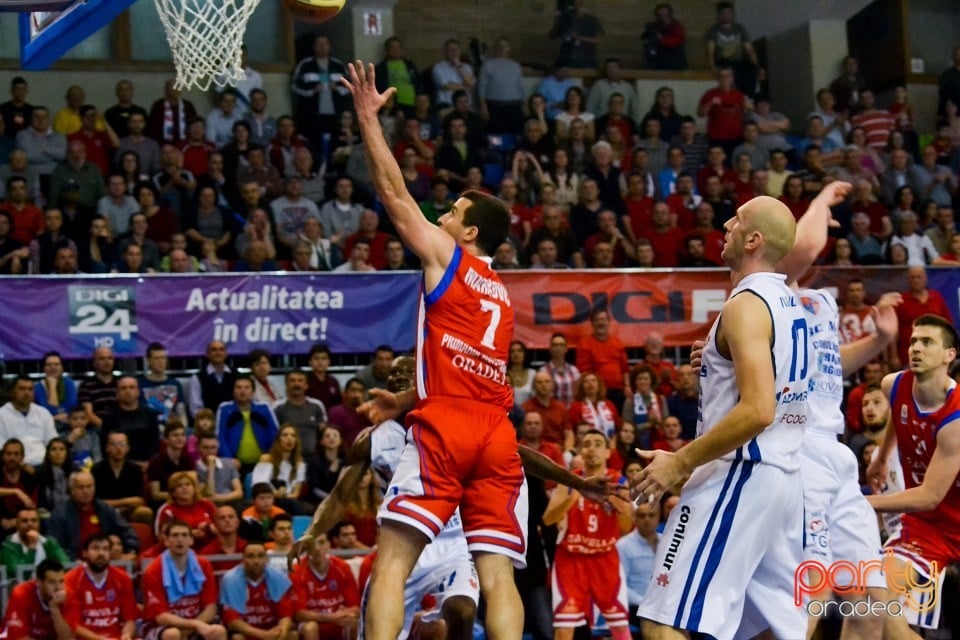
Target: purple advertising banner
(284,314)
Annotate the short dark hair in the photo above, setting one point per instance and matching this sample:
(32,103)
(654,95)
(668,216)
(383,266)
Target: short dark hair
(335,531)
(355,380)
(14,179)
(295,372)
(94,537)
(154,346)
(170,526)
(871,388)
(491,218)
(318,348)
(174,423)
(46,566)
(282,517)
(947,329)
(383,347)
(258,354)
(15,441)
(261,488)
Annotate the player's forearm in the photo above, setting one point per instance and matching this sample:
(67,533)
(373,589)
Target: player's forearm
(540,466)
(407,399)
(811,238)
(856,354)
(384,171)
(331,510)
(736,429)
(888,442)
(559,504)
(912,500)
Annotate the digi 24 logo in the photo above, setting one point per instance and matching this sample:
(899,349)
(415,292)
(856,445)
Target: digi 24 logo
(108,315)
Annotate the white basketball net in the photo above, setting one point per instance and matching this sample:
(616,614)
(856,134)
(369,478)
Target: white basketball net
(206,37)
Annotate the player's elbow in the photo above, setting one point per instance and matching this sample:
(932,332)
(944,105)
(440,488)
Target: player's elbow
(762,411)
(929,499)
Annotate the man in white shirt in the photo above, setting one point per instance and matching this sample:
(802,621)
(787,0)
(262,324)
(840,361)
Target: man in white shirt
(220,121)
(27,421)
(451,74)
(291,210)
(117,206)
(359,258)
(638,551)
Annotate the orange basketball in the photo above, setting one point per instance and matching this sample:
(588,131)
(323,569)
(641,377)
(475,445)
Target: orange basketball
(314,10)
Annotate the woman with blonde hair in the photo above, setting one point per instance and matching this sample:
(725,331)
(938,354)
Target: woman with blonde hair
(283,468)
(186,505)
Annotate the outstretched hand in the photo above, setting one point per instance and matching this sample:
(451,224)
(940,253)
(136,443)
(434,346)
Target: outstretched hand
(383,405)
(885,315)
(598,488)
(362,85)
(302,547)
(663,471)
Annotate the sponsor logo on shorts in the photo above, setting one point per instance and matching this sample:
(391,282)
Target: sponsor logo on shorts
(845,578)
(678,533)
(663,580)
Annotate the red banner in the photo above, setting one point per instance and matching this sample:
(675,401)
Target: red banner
(680,305)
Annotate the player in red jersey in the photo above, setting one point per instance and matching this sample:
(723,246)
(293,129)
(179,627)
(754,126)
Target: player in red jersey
(588,547)
(326,594)
(924,426)
(461,449)
(257,599)
(100,598)
(35,608)
(180,591)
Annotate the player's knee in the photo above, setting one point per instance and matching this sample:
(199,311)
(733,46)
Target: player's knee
(309,631)
(459,613)
(495,573)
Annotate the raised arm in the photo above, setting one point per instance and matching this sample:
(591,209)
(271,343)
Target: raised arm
(747,330)
(433,246)
(812,230)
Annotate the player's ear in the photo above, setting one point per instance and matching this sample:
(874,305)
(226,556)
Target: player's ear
(470,233)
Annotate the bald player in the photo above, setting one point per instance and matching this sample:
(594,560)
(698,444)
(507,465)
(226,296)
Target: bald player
(728,552)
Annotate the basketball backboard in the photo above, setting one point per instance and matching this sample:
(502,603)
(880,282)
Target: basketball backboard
(50,28)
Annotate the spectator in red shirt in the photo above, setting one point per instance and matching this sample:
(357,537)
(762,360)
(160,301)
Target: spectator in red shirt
(606,356)
(228,540)
(712,238)
(26,217)
(34,610)
(794,196)
(876,123)
(328,602)
(683,202)
(369,230)
(716,166)
(592,406)
(871,374)
(185,505)
(197,149)
(425,150)
(638,219)
(99,144)
(743,179)
(856,317)
(257,599)
(667,240)
(724,106)
(865,202)
(671,440)
(608,231)
(188,604)
(918,301)
(531,435)
(623,447)
(553,413)
(664,373)
(100,598)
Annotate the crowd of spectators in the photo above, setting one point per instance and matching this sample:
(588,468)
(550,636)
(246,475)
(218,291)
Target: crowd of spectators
(125,467)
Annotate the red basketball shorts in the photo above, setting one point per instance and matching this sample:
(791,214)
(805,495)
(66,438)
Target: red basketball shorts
(581,581)
(460,452)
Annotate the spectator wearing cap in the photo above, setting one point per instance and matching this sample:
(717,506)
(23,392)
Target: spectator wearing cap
(16,111)
(99,143)
(76,169)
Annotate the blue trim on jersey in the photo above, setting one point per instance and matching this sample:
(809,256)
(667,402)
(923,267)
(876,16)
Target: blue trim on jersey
(893,390)
(716,553)
(950,418)
(753,448)
(444,284)
(703,542)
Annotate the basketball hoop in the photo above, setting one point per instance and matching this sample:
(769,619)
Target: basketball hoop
(206,37)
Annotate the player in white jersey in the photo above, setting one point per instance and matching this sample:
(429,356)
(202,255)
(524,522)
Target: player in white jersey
(445,569)
(728,551)
(839,523)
